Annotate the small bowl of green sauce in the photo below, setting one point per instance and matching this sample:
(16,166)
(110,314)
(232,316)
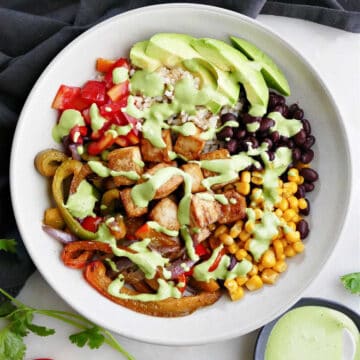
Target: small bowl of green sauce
(313,329)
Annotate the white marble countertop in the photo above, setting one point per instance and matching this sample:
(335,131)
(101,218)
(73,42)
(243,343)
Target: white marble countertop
(336,56)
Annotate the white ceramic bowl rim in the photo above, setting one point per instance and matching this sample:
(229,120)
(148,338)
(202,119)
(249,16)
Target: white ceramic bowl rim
(167,331)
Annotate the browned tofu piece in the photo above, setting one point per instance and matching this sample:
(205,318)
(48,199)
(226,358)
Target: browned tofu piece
(131,209)
(235,210)
(200,235)
(190,146)
(125,159)
(214,155)
(154,154)
(169,186)
(165,214)
(195,172)
(204,211)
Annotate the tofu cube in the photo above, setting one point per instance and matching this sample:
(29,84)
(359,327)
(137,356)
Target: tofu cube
(165,214)
(235,210)
(190,146)
(204,211)
(131,209)
(195,172)
(154,154)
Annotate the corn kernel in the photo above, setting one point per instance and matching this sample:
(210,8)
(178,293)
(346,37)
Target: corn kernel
(245,176)
(293,202)
(256,195)
(233,248)
(258,213)
(280,183)
(226,239)
(254,283)
(290,188)
(289,251)
(296,218)
(293,173)
(300,180)
(242,188)
(222,229)
(299,246)
(237,294)
(278,248)
(302,203)
(212,227)
(289,214)
(241,280)
(244,235)
(231,284)
(257,180)
(260,267)
(254,270)
(269,276)
(268,260)
(279,213)
(292,236)
(236,229)
(249,258)
(283,205)
(291,224)
(302,165)
(247,244)
(241,254)
(280,266)
(249,226)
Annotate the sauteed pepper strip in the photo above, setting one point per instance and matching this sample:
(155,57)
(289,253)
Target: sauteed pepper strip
(66,169)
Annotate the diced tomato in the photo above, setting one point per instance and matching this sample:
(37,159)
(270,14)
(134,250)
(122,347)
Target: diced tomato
(104,65)
(122,62)
(96,147)
(77,133)
(94,92)
(201,250)
(69,97)
(119,91)
(216,262)
(91,223)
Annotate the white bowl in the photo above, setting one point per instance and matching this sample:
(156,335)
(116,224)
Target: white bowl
(225,319)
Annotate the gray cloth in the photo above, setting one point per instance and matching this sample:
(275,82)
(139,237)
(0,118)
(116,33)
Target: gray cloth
(33,32)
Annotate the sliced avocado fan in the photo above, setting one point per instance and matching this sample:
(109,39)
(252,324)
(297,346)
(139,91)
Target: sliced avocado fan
(273,76)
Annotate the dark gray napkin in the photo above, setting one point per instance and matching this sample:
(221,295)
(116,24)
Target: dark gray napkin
(33,32)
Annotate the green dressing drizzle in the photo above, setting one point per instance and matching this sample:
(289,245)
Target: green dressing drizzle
(120,74)
(147,83)
(68,119)
(210,133)
(159,228)
(285,127)
(96,120)
(98,168)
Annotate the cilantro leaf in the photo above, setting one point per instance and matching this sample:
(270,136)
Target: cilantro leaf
(20,321)
(92,337)
(351,282)
(8,245)
(40,330)
(12,346)
(6,308)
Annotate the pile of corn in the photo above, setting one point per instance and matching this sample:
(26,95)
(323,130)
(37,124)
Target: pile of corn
(287,243)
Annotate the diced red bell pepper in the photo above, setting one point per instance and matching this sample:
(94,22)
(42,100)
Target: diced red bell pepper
(216,262)
(182,279)
(86,115)
(91,223)
(142,230)
(77,133)
(96,147)
(94,92)
(104,65)
(113,113)
(201,250)
(122,62)
(132,138)
(119,91)
(69,97)
(78,253)
(133,121)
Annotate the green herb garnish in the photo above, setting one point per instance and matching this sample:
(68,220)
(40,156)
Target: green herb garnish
(8,245)
(351,282)
(20,322)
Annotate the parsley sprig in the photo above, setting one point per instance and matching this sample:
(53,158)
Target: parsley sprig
(20,322)
(351,282)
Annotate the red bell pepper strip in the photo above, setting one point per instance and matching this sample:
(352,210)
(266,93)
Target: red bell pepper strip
(216,262)
(77,133)
(144,229)
(122,141)
(69,97)
(201,250)
(91,223)
(94,92)
(104,65)
(96,147)
(78,253)
(182,279)
(119,91)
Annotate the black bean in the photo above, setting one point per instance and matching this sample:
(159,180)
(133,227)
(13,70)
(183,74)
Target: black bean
(228,117)
(300,137)
(275,137)
(306,126)
(307,156)
(290,143)
(285,111)
(253,140)
(239,133)
(300,192)
(279,108)
(269,142)
(226,132)
(303,228)
(271,155)
(309,186)
(273,100)
(248,119)
(232,146)
(292,109)
(309,142)
(233,262)
(305,211)
(266,124)
(298,114)
(281,100)
(296,154)
(309,175)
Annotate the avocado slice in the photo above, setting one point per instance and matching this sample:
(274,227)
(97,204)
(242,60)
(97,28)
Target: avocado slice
(139,58)
(171,48)
(273,76)
(226,58)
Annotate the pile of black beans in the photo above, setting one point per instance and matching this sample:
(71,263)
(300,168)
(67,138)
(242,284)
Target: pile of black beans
(238,139)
